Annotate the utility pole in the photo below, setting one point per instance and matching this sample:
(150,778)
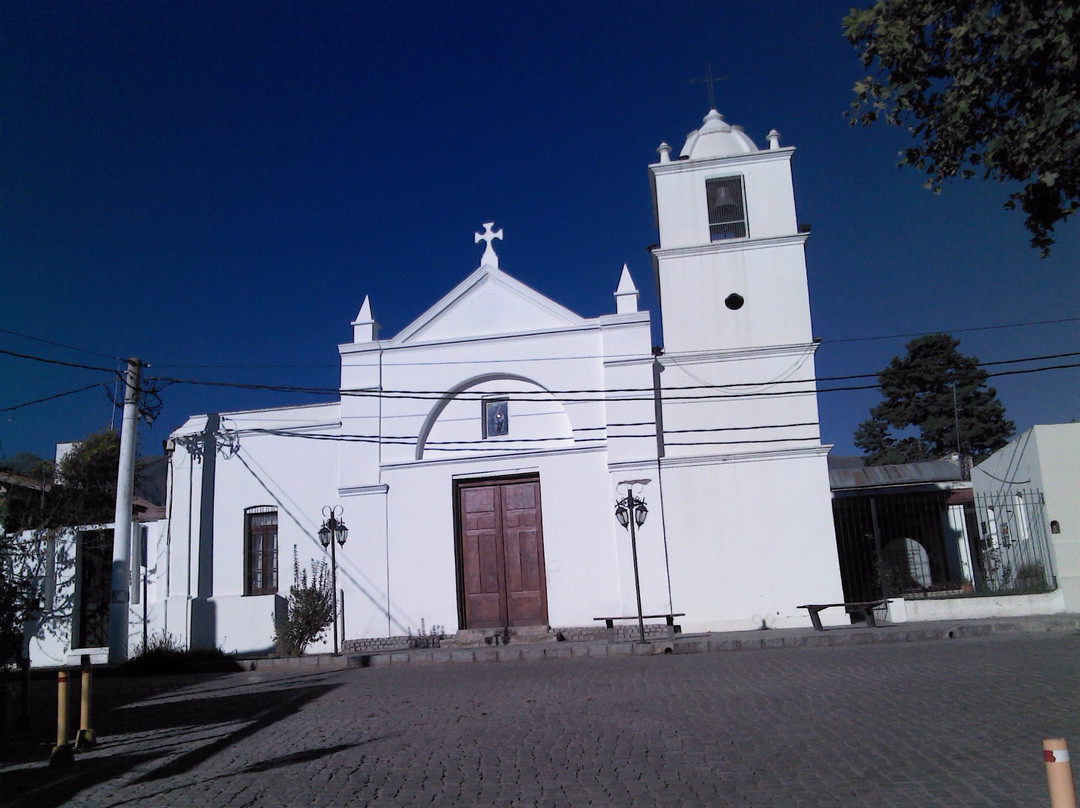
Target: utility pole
(125,484)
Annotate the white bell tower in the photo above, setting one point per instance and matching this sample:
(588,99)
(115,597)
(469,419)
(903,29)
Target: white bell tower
(745,474)
(730,261)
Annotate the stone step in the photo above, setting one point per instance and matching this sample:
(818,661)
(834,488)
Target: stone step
(512,635)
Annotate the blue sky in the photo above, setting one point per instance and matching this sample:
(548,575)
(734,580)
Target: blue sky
(214,187)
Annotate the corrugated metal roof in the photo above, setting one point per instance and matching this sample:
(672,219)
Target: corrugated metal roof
(935,471)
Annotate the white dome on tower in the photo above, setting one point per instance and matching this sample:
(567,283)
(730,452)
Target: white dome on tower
(716,138)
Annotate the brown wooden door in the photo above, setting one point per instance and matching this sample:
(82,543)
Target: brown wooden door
(502,554)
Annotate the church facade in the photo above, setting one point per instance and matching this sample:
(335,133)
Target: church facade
(477,456)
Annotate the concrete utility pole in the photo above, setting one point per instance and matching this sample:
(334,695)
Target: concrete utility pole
(125,484)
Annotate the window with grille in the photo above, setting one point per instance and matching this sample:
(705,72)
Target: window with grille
(260,551)
(727,209)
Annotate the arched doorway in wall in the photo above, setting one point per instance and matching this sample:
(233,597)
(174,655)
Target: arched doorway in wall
(500,552)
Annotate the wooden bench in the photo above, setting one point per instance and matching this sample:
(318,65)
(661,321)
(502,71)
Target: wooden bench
(669,619)
(864,608)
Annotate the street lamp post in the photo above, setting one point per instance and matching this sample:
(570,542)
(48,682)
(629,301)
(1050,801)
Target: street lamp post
(333,531)
(631,512)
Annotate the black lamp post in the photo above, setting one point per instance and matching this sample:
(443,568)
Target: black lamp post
(333,530)
(631,512)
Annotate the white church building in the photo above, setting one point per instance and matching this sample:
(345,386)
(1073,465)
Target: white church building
(478,455)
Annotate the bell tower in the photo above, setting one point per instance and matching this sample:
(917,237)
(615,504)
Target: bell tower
(730,262)
(745,477)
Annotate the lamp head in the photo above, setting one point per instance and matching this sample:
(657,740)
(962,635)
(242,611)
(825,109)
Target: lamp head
(324,535)
(640,512)
(622,514)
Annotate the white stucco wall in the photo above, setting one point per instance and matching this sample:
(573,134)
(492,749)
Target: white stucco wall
(53,562)
(1045,458)
(285,469)
(682,212)
(983,608)
(750,540)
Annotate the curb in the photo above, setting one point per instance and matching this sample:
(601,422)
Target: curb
(717,642)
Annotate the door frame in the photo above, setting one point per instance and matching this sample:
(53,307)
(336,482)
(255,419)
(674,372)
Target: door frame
(459,562)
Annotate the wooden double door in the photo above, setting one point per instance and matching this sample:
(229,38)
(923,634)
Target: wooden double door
(501,553)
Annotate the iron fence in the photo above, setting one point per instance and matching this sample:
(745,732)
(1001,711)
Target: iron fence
(1014,549)
(941,544)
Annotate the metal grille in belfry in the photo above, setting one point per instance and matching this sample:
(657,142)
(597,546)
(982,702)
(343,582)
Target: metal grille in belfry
(727,209)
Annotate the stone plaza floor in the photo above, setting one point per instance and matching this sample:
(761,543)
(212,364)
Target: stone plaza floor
(952,722)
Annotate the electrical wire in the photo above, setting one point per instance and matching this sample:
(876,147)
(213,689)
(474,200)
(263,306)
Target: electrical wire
(155,383)
(56,361)
(628,356)
(953,331)
(58,344)
(53,397)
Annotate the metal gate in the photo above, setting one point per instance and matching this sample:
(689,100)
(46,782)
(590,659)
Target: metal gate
(941,543)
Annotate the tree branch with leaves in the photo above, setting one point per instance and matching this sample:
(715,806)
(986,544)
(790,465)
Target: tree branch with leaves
(985,87)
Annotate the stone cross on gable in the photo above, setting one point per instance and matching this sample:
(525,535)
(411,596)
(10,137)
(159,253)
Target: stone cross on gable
(489,258)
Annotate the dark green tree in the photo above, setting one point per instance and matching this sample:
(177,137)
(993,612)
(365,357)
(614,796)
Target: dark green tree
(984,86)
(12,601)
(87,481)
(30,465)
(942,396)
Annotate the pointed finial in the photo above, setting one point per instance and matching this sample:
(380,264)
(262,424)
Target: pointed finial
(774,140)
(489,259)
(626,295)
(364,326)
(665,152)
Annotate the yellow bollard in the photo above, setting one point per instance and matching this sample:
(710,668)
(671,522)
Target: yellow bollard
(61,753)
(1059,773)
(85,739)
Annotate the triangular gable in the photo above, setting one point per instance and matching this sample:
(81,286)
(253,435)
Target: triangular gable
(488,303)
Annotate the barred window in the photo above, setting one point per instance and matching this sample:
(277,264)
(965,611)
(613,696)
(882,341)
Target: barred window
(260,551)
(727,210)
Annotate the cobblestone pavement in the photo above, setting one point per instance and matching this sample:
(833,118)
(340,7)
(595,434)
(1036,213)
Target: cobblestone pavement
(949,723)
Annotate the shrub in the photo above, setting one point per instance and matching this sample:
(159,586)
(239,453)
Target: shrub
(310,609)
(163,654)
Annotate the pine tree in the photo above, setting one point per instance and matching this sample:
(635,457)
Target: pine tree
(942,396)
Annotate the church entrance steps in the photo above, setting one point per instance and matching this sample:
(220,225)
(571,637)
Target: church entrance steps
(713,642)
(494,637)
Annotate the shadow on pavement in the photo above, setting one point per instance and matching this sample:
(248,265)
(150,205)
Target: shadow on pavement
(256,768)
(140,720)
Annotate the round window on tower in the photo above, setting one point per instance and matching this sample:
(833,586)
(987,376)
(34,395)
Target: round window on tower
(734,301)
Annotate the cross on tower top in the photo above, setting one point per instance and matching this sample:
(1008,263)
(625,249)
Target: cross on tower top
(710,81)
(489,258)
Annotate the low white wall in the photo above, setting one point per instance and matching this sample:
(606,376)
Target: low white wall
(235,623)
(977,608)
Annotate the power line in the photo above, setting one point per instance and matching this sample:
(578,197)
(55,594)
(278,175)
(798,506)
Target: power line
(57,362)
(510,444)
(59,344)
(614,394)
(257,366)
(1032,370)
(953,331)
(465,394)
(412,438)
(575,397)
(52,397)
